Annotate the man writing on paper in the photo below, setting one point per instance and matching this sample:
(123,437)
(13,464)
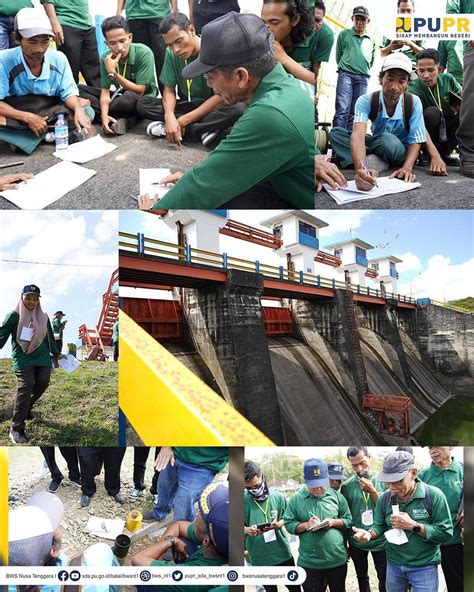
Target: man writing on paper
(267,160)
(36,84)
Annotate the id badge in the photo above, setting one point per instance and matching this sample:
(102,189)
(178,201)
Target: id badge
(269,536)
(27,333)
(367,518)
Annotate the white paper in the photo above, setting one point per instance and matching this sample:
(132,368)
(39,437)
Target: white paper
(69,363)
(320,525)
(86,150)
(386,186)
(269,536)
(396,536)
(48,186)
(26,333)
(104,527)
(149,182)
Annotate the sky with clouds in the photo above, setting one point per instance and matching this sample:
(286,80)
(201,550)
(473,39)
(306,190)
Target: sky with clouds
(81,245)
(437,247)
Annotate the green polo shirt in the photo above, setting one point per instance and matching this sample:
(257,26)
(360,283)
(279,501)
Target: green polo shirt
(11,7)
(418,551)
(359,501)
(324,42)
(355,54)
(72,13)
(273,140)
(429,94)
(115,332)
(20,360)
(58,327)
(147,9)
(451,56)
(213,458)
(139,67)
(315,48)
(171,75)
(405,49)
(323,549)
(450,481)
(261,552)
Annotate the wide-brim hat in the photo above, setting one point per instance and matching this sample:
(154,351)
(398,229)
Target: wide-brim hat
(396,466)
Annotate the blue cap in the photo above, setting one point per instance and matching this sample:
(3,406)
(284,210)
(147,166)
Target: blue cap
(31,289)
(214,508)
(336,471)
(315,473)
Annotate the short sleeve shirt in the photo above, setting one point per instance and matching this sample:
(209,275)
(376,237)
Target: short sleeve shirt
(451,56)
(355,54)
(171,75)
(324,43)
(395,124)
(147,9)
(72,13)
(11,7)
(429,95)
(138,67)
(315,48)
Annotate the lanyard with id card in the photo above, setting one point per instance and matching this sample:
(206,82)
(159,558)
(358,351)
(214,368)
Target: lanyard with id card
(367,516)
(270,535)
(27,333)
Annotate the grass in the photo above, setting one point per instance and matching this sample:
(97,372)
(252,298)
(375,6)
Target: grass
(78,409)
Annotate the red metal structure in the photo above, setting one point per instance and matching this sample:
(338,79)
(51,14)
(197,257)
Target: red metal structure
(95,340)
(162,319)
(328,259)
(251,234)
(278,321)
(388,408)
(371,273)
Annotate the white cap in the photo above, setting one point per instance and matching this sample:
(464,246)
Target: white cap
(30,22)
(397,61)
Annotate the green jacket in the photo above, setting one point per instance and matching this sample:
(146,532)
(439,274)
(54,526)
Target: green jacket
(41,355)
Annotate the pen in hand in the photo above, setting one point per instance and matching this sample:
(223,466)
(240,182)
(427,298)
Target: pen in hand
(366,170)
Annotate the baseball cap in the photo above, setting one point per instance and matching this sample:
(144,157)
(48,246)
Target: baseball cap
(361,11)
(397,61)
(396,466)
(31,529)
(336,471)
(60,312)
(32,21)
(234,38)
(31,289)
(315,473)
(214,509)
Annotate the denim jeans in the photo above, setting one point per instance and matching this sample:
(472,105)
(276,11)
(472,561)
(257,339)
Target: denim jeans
(6,28)
(349,88)
(422,579)
(179,487)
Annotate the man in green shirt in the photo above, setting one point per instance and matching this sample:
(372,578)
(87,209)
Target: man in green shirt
(209,533)
(58,329)
(409,47)
(362,492)
(75,37)
(440,112)
(424,526)
(129,68)
(447,474)
(325,42)
(451,55)
(198,114)
(8,10)
(318,515)
(265,540)
(355,55)
(268,158)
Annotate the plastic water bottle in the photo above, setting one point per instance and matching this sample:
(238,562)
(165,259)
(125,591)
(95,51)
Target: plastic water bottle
(61,133)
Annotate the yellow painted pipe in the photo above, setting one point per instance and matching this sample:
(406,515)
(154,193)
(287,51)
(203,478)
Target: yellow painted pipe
(167,404)
(3,506)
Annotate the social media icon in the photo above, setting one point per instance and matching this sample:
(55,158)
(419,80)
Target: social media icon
(232,576)
(145,576)
(63,575)
(177,576)
(292,575)
(75,576)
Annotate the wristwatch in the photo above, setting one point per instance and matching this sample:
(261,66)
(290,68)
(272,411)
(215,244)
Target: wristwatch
(112,75)
(171,539)
(417,528)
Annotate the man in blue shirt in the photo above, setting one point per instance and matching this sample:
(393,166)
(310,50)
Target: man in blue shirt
(36,82)
(393,139)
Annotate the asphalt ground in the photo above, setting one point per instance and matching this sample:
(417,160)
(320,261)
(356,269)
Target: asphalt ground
(454,192)
(117,171)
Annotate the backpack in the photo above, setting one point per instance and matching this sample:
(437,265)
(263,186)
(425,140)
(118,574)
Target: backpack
(427,502)
(408,107)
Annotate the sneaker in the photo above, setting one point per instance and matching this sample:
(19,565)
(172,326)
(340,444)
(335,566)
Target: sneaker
(156,128)
(135,494)
(467,167)
(149,517)
(375,162)
(54,486)
(154,497)
(77,482)
(118,497)
(120,126)
(452,160)
(18,437)
(85,500)
(50,138)
(208,137)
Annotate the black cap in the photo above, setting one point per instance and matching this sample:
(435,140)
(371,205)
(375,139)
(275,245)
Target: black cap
(336,472)
(31,289)
(230,40)
(60,312)
(361,11)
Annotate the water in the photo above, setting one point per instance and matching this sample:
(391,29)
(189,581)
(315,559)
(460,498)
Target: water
(61,133)
(451,425)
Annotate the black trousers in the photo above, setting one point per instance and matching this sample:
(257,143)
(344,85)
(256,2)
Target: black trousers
(140,456)
(205,11)
(59,344)
(432,117)
(31,384)
(147,31)
(317,579)
(70,456)
(220,119)
(80,48)
(124,105)
(361,564)
(116,351)
(452,562)
(288,562)
(260,197)
(91,459)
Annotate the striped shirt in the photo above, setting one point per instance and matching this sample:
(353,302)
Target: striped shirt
(395,124)
(16,79)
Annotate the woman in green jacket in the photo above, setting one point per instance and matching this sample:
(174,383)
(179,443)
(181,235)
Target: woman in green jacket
(32,346)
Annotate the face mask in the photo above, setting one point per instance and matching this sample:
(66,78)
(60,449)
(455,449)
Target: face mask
(260,492)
